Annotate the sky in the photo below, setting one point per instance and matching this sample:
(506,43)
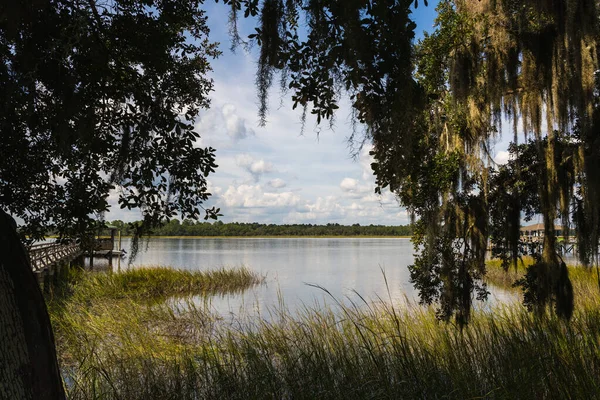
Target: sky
(278,173)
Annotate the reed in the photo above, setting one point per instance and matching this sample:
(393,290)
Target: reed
(585,280)
(497,276)
(126,349)
(159,282)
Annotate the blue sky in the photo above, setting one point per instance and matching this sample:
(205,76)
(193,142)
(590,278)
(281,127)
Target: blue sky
(276,174)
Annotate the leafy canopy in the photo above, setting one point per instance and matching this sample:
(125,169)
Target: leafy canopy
(433,110)
(102,95)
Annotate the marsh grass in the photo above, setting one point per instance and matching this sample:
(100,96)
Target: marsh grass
(585,280)
(95,311)
(497,276)
(158,282)
(122,348)
(372,353)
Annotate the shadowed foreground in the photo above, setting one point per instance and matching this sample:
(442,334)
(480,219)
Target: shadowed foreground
(126,349)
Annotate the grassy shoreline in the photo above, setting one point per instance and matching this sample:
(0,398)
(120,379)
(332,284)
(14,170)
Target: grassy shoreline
(586,285)
(159,282)
(123,347)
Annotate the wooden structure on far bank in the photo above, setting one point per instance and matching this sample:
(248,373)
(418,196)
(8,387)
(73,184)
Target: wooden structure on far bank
(532,239)
(535,232)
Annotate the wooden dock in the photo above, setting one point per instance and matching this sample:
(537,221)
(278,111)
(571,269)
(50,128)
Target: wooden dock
(46,259)
(46,255)
(531,240)
(107,253)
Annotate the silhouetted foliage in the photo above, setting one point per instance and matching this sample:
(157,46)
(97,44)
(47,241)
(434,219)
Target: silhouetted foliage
(433,110)
(98,97)
(95,96)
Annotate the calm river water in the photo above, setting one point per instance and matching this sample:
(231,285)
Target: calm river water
(343,266)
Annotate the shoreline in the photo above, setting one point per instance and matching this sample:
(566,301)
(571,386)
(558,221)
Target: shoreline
(104,336)
(261,237)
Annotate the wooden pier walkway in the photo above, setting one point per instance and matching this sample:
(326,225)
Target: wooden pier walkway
(45,256)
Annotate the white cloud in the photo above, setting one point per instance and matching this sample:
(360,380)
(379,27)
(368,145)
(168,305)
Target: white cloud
(365,162)
(502,157)
(356,207)
(326,208)
(253,196)
(349,185)
(214,190)
(255,167)
(277,183)
(235,125)
(244,160)
(261,167)
(219,123)
(386,198)
(352,188)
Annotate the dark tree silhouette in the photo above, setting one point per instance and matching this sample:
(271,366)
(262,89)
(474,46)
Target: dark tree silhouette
(28,366)
(94,96)
(101,96)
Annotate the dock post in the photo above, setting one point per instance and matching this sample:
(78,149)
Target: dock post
(46,274)
(40,279)
(56,275)
(119,249)
(91,258)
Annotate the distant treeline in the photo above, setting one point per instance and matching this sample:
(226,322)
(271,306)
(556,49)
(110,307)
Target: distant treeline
(190,228)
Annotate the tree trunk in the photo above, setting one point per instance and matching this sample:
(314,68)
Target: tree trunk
(28,364)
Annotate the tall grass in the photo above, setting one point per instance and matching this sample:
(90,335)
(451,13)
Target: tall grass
(126,349)
(496,275)
(586,281)
(158,282)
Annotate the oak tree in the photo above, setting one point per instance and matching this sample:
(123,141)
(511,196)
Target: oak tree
(96,98)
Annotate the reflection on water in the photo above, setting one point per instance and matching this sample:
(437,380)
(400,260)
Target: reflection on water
(291,265)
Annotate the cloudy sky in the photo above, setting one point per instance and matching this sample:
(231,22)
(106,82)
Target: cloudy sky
(277,173)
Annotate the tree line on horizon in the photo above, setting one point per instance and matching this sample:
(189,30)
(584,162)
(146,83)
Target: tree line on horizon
(191,228)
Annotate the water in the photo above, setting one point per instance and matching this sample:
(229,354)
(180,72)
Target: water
(343,266)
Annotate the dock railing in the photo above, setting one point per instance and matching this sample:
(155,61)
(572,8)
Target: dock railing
(45,255)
